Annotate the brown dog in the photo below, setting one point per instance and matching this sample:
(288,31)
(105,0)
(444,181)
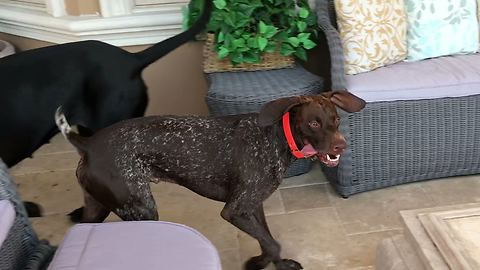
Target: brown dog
(237,159)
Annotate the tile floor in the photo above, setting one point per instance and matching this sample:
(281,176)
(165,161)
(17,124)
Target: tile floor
(314,225)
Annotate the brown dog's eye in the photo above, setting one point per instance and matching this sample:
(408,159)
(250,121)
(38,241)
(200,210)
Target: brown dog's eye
(314,124)
(337,121)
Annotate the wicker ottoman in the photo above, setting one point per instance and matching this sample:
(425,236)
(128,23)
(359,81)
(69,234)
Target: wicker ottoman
(246,92)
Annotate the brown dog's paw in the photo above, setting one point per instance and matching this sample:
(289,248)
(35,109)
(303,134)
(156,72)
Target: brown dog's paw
(257,263)
(286,264)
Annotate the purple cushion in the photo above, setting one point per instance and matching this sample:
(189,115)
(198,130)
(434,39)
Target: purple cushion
(450,76)
(140,245)
(7,216)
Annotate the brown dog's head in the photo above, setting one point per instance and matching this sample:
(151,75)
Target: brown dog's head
(314,122)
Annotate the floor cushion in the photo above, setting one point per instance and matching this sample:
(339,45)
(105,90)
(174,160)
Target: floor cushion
(449,76)
(145,245)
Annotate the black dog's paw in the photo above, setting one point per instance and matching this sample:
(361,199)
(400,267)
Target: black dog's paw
(33,209)
(257,263)
(76,215)
(288,265)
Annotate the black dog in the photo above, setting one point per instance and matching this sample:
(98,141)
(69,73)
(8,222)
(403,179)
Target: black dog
(96,84)
(238,159)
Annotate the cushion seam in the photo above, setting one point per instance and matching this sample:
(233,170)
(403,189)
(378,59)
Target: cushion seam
(420,88)
(85,247)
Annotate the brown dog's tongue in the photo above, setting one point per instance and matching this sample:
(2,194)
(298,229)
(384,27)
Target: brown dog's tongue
(308,150)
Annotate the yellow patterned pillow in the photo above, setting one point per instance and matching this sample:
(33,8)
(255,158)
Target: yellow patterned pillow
(373,32)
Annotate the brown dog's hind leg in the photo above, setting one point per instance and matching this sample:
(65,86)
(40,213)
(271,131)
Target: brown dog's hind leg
(93,212)
(140,206)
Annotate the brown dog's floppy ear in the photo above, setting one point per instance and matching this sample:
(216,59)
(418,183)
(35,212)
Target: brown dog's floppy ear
(345,100)
(274,110)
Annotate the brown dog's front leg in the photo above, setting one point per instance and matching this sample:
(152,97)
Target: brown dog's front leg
(251,223)
(262,261)
(93,211)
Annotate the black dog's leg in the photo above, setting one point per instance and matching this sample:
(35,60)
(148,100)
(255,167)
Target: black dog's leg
(33,209)
(76,215)
(248,223)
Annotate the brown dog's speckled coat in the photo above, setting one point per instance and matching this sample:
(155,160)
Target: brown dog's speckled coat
(238,159)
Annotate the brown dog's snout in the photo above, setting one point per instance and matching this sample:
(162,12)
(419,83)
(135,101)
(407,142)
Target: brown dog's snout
(338,146)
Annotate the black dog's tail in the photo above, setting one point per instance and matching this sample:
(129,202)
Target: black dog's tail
(158,50)
(76,140)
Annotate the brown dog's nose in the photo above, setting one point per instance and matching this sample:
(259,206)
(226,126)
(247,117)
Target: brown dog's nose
(338,146)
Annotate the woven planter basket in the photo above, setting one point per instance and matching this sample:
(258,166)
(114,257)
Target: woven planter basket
(270,61)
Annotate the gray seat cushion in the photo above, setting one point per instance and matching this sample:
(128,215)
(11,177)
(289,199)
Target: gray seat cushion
(450,76)
(146,245)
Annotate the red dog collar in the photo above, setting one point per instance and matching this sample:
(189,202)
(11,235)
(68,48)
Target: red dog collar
(291,141)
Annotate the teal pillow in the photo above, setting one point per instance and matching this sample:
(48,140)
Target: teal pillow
(441,27)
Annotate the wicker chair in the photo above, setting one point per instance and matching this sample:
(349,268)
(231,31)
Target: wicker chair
(387,146)
(22,250)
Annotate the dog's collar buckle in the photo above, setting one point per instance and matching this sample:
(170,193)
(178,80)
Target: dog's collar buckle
(291,141)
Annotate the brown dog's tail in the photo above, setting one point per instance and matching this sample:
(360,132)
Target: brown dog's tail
(76,140)
(158,50)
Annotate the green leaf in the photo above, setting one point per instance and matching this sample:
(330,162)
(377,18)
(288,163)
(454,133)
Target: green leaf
(242,22)
(289,3)
(220,4)
(238,32)
(246,36)
(262,15)
(270,31)
(199,4)
(301,53)
(294,41)
(262,43)
(286,49)
(238,43)
(308,44)
(247,10)
(221,37)
(250,57)
(303,37)
(226,28)
(236,57)
(243,49)
(303,13)
(228,40)
(223,52)
(278,2)
(252,42)
(311,20)
(256,3)
(185,17)
(271,47)
(281,36)
(302,3)
(301,26)
(230,18)
(263,27)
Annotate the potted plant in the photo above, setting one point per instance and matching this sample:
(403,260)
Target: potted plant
(247,31)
